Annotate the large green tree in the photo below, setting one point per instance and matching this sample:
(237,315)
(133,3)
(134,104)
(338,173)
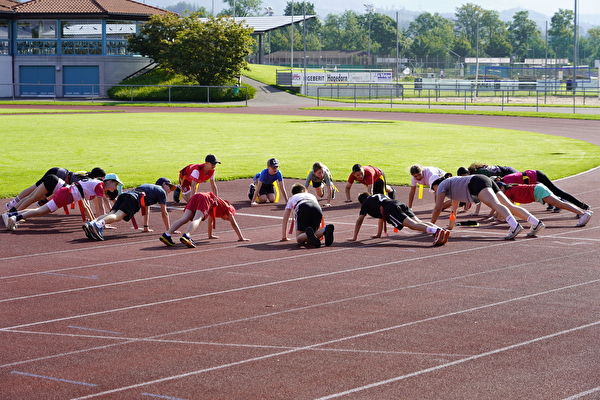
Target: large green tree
(208,53)
(525,37)
(561,33)
(431,34)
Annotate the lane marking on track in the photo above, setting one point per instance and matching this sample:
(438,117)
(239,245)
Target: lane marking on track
(52,378)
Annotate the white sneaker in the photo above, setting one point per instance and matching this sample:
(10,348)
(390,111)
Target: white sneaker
(584,218)
(5,219)
(512,232)
(12,224)
(536,229)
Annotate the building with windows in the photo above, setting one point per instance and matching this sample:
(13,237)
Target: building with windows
(68,48)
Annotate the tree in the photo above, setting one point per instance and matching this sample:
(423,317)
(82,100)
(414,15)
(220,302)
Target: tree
(185,8)
(209,53)
(431,34)
(590,45)
(344,32)
(383,34)
(523,34)
(561,33)
(243,8)
(476,24)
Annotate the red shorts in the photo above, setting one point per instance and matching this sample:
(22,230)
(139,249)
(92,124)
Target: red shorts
(203,201)
(62,197)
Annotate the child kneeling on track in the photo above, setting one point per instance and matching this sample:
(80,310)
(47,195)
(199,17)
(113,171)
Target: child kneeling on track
(201,206)
(308,216)
(396,213)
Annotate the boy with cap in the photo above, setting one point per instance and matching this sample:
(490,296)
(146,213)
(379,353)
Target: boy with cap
(129,203)
(194,174)
(265,187)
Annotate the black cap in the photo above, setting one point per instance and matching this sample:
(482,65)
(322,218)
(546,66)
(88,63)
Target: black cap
(212,159)
(160,181)
(272,162)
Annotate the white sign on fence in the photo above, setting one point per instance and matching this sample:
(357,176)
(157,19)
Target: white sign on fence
(321,78)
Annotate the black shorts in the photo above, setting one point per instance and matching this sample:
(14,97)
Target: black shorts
(267,188)
(480,182)
(396,213)
(308,214)
(317,184)
(50,182)
(128,204)
(379,186)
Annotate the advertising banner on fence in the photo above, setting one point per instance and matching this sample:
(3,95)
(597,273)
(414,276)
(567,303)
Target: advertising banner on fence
(322,78)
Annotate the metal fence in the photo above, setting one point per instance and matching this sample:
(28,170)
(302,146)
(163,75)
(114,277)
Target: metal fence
(463,96)
(96,92)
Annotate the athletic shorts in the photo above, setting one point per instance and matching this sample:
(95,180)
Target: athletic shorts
(308,214)
(200,202)
(480,182)
(52,183)
(396,213)
(267,188)
(62,197)
(379,185)
(540,191)
(316,184)
(128,204)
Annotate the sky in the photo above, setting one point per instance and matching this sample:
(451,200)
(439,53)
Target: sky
(546,7)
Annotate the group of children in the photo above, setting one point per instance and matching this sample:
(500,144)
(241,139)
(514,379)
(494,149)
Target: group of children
(500,188)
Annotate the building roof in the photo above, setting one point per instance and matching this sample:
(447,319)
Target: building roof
(125,7)
(266,24)
(7,5)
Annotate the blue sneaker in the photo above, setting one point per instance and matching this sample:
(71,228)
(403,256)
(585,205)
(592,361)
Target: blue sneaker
(96,231)
(167,240)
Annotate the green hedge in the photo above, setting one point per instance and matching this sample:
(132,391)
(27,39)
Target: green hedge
(162,78)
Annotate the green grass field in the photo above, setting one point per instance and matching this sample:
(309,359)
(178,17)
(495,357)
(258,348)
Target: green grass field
(142,147)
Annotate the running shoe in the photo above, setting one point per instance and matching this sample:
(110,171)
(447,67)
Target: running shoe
(328,233)
(312,238)
(332,192)
(185,239)
(446,236)
(536,229)
(556,210)
(12,223)
(512,232)
(167,240)
(251,190)
(5,219)
(89,232)
(584,218)
(96,231)
(550,207)
(439,237)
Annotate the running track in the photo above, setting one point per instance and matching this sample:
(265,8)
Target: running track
(391,318)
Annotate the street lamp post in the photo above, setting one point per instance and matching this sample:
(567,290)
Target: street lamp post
(369,8)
